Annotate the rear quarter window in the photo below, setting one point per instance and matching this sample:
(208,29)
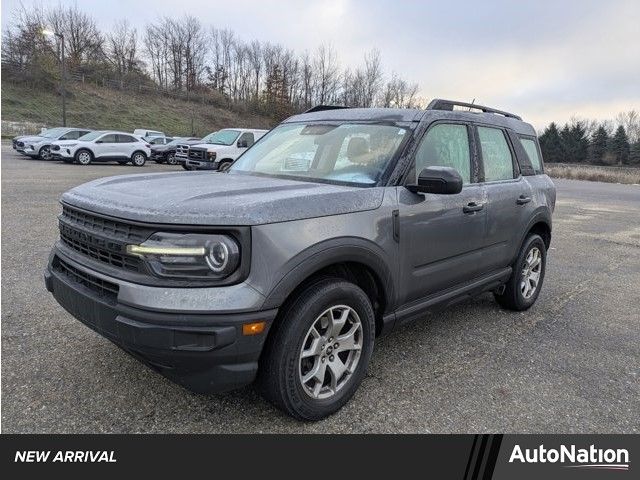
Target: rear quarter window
(531,148)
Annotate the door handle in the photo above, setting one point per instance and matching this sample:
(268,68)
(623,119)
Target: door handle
(522,199)
(472,207)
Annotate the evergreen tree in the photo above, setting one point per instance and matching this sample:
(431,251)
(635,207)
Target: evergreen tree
(598,145)
(574,142)
(619,146)
(634,154)
(551,145)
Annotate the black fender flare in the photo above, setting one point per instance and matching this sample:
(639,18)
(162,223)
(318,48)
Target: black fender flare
(325,254)
(541,215)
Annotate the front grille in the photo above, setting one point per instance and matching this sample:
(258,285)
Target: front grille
(197,154)
(102,288)
(70,238)
(111,228)
(182,150)
(101,239)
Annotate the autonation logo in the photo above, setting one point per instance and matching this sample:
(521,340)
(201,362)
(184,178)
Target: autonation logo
(574,457)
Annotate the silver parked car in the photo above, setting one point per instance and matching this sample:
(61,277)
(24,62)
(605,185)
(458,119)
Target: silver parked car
(39,146)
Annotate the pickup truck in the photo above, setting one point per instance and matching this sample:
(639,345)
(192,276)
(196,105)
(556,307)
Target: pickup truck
(218,150)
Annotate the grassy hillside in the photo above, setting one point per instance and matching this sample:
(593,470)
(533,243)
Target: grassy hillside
(105,108)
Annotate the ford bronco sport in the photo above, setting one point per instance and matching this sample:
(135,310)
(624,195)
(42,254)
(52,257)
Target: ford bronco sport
(338,226)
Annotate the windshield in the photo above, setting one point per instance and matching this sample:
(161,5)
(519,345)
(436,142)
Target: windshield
(222,137)
(177,141)
(90,136)
(54,132)
(351,153)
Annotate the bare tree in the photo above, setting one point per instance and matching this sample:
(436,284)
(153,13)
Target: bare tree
(325,65)
(122,48)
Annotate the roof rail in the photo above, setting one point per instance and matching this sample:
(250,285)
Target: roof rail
(440,104)
(320,108)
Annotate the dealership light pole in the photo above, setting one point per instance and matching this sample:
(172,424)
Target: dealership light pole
(62,72)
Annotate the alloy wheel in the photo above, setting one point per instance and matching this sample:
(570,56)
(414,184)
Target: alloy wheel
(330,351)
(531,273)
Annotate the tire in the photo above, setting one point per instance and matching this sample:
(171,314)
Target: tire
(45,153)
(123,162)
(282,372)
(171,160)
(84,157)
(224,165)
(520,293)
(138,159)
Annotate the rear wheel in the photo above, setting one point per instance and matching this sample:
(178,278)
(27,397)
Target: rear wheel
(138,159)
(317,356)
(523,287)
(84,157)
(171,159)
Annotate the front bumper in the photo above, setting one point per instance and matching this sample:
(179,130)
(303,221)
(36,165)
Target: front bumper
(204,352)
(202,165)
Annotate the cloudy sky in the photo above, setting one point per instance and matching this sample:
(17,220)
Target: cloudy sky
(547,60)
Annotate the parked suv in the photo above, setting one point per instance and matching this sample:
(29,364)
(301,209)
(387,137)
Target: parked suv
(338,226)
(39,146)
(103,146)
(218,150)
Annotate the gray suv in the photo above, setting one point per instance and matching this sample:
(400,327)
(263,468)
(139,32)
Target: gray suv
(339,225)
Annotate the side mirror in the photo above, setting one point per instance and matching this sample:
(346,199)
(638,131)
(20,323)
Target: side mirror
(242,144)
(99,141)
(439,180)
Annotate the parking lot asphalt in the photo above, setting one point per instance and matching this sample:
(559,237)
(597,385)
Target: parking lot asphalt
(570,364)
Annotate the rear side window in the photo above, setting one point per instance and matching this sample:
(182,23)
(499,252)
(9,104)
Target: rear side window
(531,148)
(126,139)
(445,145)
(496,154)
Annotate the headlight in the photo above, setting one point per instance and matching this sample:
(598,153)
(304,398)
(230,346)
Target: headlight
(211,155)
(189,256)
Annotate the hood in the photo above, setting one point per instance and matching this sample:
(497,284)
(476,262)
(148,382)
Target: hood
(33,139)
(212,198)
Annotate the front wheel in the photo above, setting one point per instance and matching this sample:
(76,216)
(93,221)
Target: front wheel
(319,351)
(523,287)
(45,153)
(138,159)
(84,157)
(171,159)
(224,165)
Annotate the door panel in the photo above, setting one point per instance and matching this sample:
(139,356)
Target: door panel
(440,244)
(509,199)
(107,148)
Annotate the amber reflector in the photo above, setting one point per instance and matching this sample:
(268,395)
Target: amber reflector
(253,328)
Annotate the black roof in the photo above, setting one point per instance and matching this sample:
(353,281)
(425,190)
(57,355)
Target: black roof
(437,109)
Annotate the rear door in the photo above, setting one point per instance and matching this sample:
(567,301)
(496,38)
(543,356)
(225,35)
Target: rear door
(441,236)
(509,195)
(126,145)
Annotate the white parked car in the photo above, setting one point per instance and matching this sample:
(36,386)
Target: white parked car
(218,150)
(144,133)
(103,146)
(39,146)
